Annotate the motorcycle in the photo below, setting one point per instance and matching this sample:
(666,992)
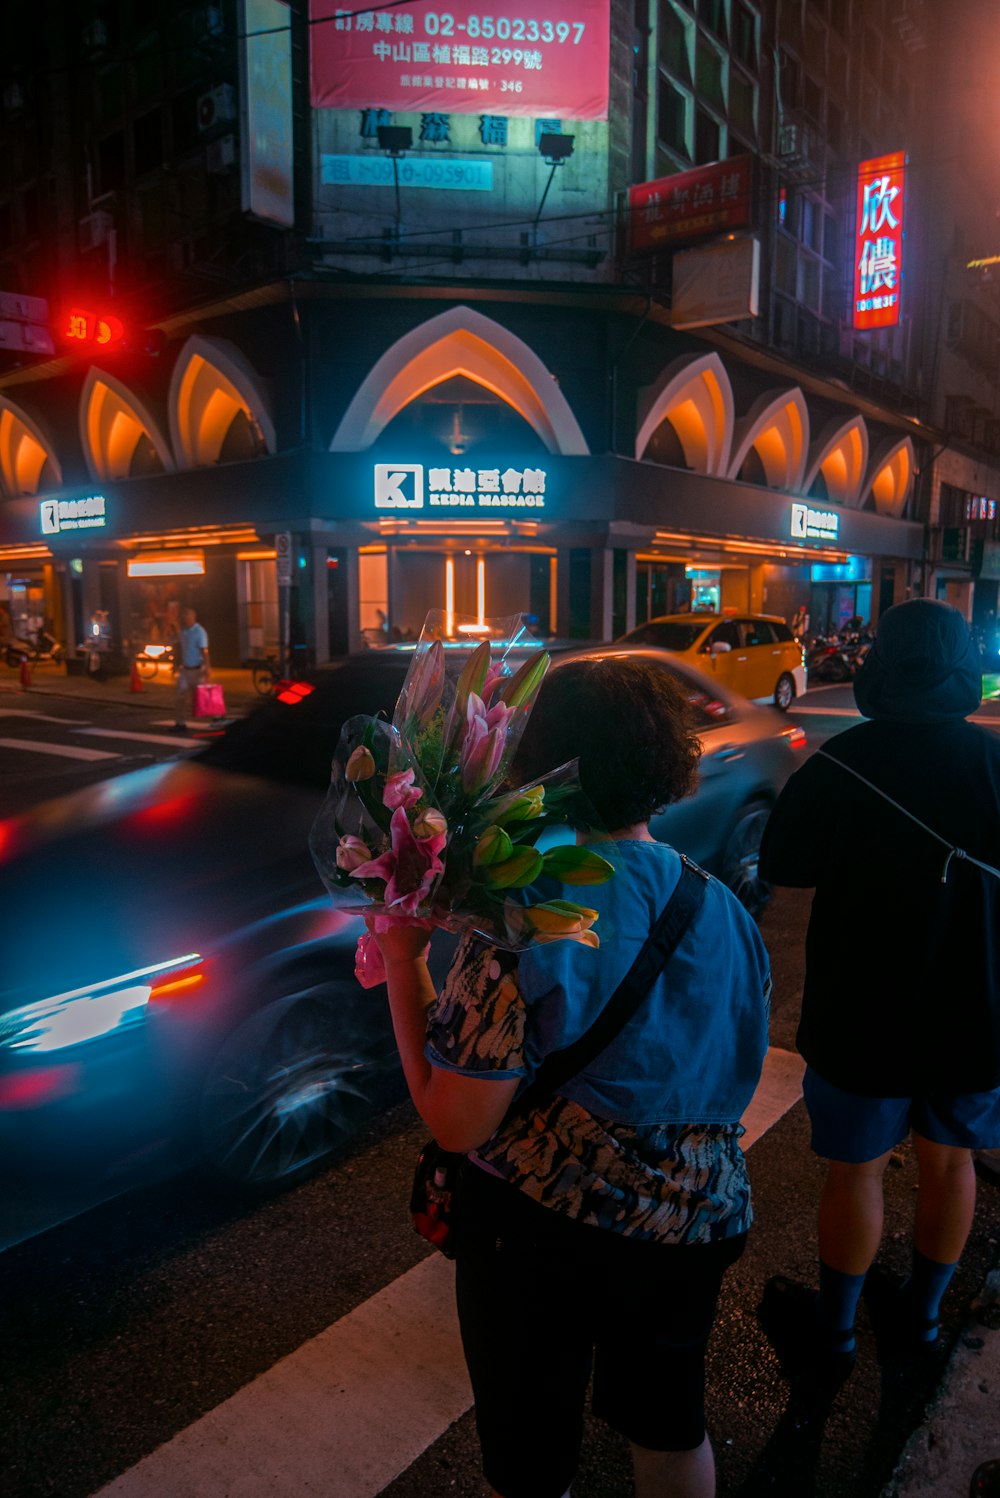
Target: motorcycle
(44,647)
(837,658)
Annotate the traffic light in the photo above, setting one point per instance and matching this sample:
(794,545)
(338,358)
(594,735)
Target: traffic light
(90,329)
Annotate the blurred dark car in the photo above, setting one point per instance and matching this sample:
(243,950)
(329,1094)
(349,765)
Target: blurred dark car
(176,985)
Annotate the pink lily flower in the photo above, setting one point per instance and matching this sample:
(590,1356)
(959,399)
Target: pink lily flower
(410,866)
(483,743)
(401,791)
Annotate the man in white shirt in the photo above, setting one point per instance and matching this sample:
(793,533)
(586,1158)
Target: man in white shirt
(191,665)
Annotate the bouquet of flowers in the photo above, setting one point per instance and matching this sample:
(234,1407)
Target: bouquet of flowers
(415,827)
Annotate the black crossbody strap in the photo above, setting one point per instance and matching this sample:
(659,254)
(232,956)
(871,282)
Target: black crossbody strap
(656,952)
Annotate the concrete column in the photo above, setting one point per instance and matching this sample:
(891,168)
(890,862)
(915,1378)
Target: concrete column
(320,606)
(602,577)
(562,594)
(630,590)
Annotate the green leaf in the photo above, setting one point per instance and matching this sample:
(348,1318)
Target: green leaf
(574,865)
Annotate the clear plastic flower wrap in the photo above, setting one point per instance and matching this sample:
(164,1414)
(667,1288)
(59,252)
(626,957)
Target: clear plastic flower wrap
(418,826)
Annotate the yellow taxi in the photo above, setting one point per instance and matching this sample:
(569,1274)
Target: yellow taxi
(753,654)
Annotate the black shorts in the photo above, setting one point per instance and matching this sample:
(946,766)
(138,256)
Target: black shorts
(543,1300)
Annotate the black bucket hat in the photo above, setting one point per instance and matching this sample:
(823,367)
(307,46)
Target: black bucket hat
(923,668)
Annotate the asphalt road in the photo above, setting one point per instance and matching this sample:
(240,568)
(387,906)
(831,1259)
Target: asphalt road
(163,1313)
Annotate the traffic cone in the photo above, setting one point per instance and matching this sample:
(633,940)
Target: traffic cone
(135,681)
(25,674)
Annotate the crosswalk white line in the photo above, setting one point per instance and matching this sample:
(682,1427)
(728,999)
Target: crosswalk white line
(64,751)
(175,739)
(351,1409)
(22,712)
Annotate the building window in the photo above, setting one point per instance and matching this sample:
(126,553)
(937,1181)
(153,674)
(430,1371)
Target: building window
(710,75)
(707,138)
(712,14)
(742,104)
(674,116)
(745,35)
(676,42)
(147,142)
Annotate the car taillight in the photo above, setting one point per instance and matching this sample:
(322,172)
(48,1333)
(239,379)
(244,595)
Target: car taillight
(794,737)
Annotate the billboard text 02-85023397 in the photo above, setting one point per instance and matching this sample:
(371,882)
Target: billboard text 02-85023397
(539,58)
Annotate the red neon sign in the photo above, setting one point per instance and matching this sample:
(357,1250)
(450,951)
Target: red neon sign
(690,205)
(86,328)
(878,242)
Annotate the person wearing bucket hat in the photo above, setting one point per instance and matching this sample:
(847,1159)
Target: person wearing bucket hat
(896,825)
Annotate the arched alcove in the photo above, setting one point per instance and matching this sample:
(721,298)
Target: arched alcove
(460,342)
(837,462)
(28,463)
(218,409)
(892,469)
(695,397)
(120,438)
(776,429)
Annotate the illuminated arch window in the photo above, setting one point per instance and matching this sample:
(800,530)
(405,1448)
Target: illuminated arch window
(28,462)
(892,477)
(838,462)
(218,412)
(460,342)
(120,438)
(695,400)
(772,441)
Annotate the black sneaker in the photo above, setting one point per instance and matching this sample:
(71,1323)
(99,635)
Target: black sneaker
(787,1314)
(899,1332)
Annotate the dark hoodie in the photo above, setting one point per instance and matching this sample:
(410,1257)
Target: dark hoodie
(902,989)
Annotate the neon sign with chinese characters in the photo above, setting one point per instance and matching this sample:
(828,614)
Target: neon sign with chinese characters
(57,515)
(414,486)
(878,242)
(808,524)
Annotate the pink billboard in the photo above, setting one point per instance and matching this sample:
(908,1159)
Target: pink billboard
(538,59)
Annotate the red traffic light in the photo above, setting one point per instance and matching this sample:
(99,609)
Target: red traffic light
(83,327)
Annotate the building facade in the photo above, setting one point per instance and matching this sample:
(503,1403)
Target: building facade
(379,355)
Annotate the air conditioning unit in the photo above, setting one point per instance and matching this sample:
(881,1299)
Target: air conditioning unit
(797,148)
(94,37)
(13,99)
(217,108)
(220,155)
(94,230)
(209,21)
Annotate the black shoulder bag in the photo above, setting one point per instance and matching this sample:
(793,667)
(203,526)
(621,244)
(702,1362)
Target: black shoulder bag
(437,1173)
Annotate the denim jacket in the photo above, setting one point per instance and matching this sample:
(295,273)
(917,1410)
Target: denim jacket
(694,1050)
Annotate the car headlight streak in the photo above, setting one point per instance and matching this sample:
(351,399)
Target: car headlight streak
(84,1014)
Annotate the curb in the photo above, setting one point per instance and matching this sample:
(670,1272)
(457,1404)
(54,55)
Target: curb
(960,1428)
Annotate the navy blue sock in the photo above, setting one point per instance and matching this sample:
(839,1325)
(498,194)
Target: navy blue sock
(923,1290)
(837,1304)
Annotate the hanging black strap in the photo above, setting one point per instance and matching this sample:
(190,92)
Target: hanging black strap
(656,952)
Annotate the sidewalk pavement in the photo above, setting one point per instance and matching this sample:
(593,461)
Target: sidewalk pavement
(961,1428)
(159,694)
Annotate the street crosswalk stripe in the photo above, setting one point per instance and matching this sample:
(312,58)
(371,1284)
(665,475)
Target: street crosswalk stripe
(352,1408)
(64,751)
(143,738)
(23,712)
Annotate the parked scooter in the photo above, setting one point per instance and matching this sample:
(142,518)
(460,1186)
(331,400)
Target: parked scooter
(837,658)
(44,647)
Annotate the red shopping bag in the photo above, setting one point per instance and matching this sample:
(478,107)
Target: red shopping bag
(209,701)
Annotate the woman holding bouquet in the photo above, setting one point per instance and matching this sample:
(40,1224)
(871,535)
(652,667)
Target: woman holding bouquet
(594,1230)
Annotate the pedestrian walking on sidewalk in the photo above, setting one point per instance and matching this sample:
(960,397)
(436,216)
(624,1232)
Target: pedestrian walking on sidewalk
(896,824)
(594,1227)
(192,665)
